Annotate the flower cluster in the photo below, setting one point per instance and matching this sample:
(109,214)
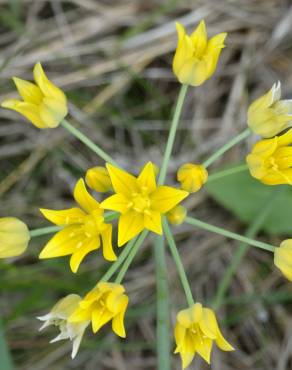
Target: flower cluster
(144,204)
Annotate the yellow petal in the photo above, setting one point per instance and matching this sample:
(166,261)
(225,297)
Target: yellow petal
(190,316)
(122,181)
(46,86)
(164,198)
(187,358)
(83,198)
(146,180)
(85,246)
(152,222)
(52,111)
(214,49)
(116,202)
(210,327)
(131,224)
(118,320)
(80,315)
(64,217)
(100,318)
(107,248)
(193,72)
(28,110)
(199,38)
(204,348)
(285,139)
(63,243)
(29,92)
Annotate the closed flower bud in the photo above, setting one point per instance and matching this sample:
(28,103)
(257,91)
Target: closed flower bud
(43,104)
(283,258)
(270,160)
(192,177)
(268,115)
(14,237)
(196,57)
(98,179)
(177,215)
(59,315)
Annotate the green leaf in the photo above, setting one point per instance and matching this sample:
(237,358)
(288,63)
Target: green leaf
(244,196)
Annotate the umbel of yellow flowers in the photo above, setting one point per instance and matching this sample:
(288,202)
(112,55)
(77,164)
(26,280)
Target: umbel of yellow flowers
(283,258)
(14,237)
(84,229)
(140,201)
(196,57)
(268,115)
(106,302)
(43,104)
(270,160)
(192,177)
(58,316)
(195,331)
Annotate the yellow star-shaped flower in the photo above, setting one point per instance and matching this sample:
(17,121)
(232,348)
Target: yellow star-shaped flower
(140,201)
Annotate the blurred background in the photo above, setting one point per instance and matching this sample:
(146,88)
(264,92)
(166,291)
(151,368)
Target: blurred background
(113,59)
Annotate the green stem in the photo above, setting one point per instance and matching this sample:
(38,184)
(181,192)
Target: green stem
(172,133)
(227,172)
(44,230)
(6,361)
(109,216)
(229,234)
(162,308)
(114,267)
(131,256)
(226,147)
(90,144)
(178,263)
(252,230)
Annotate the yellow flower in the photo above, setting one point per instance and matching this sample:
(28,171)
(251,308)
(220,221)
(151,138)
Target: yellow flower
(196,57)
(268,115)
(140,201)
(44,104)
(58,316)
(283,258)
(14,237)
(83,230)
(270,160)
(196,329)
(106,302)
(177,215)
(97,178)
(192,177)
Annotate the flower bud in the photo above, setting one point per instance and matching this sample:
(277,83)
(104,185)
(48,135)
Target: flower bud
(177,215)
(192,177)
(283,258)
(268,115)
(14,237)
(98,179)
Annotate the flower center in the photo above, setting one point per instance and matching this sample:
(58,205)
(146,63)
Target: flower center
(93,225)
(140,202)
